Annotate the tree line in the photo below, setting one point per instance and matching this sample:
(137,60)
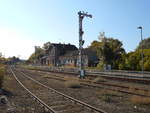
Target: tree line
(110,51)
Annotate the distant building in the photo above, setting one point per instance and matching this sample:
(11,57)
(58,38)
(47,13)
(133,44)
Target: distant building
(67,55)
(89,58)
(54,51)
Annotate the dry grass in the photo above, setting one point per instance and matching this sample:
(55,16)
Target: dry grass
(99,79)
(2,73)
(30,84)
(142,92)
(30,67)
(72,84)
(46,76)
(6,83)
(71,78)
(132,89)
(108,95)
(140,100)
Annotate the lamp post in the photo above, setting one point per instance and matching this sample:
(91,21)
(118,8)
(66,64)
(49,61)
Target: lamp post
(142,55)
(81,41)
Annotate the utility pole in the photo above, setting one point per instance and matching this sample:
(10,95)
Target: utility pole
(142,54)
(81,41)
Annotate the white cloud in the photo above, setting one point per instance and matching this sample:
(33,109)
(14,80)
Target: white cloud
(15,43)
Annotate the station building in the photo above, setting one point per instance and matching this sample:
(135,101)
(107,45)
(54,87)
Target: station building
(67,55)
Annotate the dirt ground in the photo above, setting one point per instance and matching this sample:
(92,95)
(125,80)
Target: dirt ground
(18,100)
(110,101)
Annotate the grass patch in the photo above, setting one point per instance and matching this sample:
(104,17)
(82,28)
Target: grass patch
(46,76)
(99,79)
(31,85)
(140,100)
(71,78)
(73,84)
(107,95)
(29,67)
(142,92)
(106,98)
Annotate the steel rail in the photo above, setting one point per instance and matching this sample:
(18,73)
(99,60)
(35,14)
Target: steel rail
(66,96)
(96,85)
(120,75)
(118,90)
(101,73)
(95,71)
(33,95)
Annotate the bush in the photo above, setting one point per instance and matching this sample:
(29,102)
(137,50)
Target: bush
(147,65)
(100,66)
(2,73)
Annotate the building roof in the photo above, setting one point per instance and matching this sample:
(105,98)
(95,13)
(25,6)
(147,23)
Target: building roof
(63,48)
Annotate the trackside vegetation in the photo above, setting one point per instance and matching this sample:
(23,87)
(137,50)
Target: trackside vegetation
(2,69)
(2,73)
(111,52)
(133,61)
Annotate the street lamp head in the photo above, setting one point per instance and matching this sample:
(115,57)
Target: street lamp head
(140,27)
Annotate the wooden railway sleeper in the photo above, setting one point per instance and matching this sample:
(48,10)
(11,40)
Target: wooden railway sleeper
(70,98)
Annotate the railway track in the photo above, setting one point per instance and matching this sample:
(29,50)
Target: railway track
(33,96)
(126,76)
(114,87)
(56,102)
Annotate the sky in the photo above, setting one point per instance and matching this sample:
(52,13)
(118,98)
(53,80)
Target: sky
(28,23)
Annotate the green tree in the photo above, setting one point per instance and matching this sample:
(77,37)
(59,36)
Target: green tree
(46,45)
(95,46)
(109,50)
(39,52)
(133,60)
(147,65)
(145,44)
